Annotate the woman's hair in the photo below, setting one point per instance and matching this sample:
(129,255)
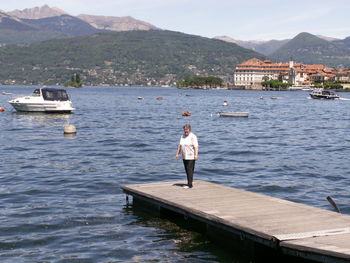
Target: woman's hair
(188,126)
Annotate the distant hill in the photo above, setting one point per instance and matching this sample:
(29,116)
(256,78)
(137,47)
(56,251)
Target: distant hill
(69,25)
(116,23)
(344,43)
(264,47)
(251,44)
(8,36)
(16,31)
(130,57)
(13,23)
(327,38)
(310,49)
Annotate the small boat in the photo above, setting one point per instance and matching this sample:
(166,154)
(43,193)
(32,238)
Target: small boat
(276,98)
(6,93)
(323,94)
(140,98)
(159,98)
(225,103)
(306,89)
(233,114)
(44,100)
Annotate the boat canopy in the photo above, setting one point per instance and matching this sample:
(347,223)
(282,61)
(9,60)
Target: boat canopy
(54,94)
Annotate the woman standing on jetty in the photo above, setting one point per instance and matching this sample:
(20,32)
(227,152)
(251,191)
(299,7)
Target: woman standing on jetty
(189,147)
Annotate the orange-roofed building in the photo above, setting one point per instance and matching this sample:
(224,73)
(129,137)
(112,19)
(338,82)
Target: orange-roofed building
(343,75)
(252,72)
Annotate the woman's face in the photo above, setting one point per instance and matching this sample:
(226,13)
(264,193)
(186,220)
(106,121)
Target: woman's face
(187,131)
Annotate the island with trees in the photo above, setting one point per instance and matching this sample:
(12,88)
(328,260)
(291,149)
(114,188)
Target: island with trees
(198,82)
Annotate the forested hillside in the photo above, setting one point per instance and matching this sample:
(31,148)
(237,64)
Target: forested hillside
(132,57)
(310,49)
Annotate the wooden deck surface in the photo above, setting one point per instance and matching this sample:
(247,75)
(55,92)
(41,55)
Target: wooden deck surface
(292,226)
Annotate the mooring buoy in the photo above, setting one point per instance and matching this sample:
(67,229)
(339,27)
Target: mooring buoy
(70,129)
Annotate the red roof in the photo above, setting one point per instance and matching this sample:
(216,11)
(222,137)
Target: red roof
(267,65)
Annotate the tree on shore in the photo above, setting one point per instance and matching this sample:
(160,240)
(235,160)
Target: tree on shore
(274,84)
(330,85)
(75,81)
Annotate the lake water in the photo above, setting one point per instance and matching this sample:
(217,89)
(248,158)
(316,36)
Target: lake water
(61,199)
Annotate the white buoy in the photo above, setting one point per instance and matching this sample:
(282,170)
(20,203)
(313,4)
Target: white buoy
(70,129)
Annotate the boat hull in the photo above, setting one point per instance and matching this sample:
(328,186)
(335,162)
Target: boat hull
(234,114)
(42,107)
(324,97)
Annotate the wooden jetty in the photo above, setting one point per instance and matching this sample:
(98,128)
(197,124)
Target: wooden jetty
(286,228)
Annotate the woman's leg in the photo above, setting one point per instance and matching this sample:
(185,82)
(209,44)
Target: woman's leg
(189,167)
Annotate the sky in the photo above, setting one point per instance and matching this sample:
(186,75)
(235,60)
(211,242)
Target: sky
(238,19)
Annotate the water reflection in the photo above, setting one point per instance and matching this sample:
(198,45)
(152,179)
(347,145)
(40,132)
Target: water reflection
(69,135)
(183,244)
(41,116)
(27,121)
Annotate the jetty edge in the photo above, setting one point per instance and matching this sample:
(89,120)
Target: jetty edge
(264,226)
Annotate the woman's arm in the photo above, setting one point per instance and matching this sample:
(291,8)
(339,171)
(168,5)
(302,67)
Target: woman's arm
(178,152)
(196,152)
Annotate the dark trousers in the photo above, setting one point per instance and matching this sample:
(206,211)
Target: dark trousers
(189,167)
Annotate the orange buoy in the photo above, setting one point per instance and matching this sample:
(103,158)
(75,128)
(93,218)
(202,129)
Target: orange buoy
(2,109)
(186,113)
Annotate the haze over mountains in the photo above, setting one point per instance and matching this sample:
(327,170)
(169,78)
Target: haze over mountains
(192,54)
(265,47)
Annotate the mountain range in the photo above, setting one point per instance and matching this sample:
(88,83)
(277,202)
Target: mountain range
(23,27)
(37,12)
(304,47)
(49,42)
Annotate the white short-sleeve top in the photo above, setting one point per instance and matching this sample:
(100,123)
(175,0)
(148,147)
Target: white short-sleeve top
(188,143)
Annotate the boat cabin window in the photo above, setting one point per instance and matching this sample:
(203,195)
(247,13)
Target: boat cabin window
(36,92)
(54,94)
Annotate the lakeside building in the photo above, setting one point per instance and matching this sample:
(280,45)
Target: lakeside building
(252,72)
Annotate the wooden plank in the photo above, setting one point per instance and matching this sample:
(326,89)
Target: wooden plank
(291,225)
(335,246)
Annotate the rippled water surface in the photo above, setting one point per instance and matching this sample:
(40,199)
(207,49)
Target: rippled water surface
(61,199)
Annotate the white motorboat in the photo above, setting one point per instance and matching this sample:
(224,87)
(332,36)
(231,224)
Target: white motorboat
(323,94)
(233,114)
(44,100)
